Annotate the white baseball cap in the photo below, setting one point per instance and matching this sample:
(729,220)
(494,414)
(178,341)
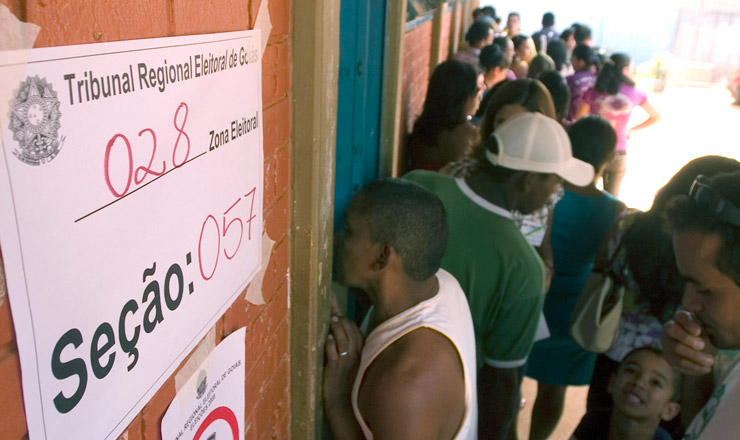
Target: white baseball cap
(533,142)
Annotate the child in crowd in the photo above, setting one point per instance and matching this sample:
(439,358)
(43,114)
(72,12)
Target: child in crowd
(645,391)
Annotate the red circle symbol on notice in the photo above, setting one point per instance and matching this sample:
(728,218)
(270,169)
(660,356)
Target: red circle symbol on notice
(220,413)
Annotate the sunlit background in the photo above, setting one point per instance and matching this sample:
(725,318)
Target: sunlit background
(695,42)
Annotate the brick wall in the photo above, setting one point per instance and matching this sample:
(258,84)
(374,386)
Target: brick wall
(417,46)
(445,37)
(267,341)
(459,27)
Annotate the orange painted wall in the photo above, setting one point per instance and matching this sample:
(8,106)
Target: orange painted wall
(267,341)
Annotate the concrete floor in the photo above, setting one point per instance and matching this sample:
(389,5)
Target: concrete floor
(695,122)
(575,401)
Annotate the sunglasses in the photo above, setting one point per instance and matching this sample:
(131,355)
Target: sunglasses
(708,198)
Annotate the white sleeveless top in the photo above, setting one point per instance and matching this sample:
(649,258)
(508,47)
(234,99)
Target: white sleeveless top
(447,313)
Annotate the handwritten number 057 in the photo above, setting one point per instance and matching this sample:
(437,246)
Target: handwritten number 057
(222,231)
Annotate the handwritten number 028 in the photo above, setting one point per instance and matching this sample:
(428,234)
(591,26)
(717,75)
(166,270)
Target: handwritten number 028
(146,170)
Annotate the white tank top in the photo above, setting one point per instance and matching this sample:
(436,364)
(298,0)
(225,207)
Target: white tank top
(447,313)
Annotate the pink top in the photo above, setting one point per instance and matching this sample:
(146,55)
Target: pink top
(579,83)
(616,109)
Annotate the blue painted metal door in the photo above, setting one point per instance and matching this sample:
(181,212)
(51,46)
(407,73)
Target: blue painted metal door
(361,44)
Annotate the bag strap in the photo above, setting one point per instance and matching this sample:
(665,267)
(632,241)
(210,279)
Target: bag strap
(617,266)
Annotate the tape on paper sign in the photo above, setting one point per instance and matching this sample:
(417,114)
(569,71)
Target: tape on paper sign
(254,290)
(19,37)
(263,23)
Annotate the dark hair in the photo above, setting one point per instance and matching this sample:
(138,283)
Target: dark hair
(502,42)
(489,11)
(611,77)
(513,14)
(478,31)
(539,64)
(581,32)
(676,383)
(566,34)
(548,19)
(584,53)
(649,245)
(487,98)
(452,84)
(530,94)
(409,218)
(477,12)
(558,52)
(492,56)
(684,213)
(593,140)
(681,182)
(518,40)
(600,58)
(559,91)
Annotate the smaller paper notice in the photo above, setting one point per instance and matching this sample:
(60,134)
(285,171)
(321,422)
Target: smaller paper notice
(211,404)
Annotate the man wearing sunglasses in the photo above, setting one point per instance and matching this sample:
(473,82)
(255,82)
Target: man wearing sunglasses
(706,240)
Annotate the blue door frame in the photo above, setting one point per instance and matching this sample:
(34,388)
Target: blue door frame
(360,88)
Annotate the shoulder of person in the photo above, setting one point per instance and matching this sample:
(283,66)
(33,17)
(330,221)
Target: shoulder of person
(468,130)
(413,382)
(458,132)
(419,356)
(614,235)
(419,369)
(632,91)
(621,208)
(419,176)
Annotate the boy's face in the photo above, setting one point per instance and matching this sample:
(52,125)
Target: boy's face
(643,387)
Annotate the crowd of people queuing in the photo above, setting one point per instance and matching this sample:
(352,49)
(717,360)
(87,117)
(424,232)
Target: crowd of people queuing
(474,261)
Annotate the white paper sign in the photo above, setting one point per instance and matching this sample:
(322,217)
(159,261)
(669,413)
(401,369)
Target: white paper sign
(130,216)
(210,406)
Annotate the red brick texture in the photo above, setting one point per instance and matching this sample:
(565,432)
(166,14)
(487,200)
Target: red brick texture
(267,344)
(460,22)
(417,47)
(445,37)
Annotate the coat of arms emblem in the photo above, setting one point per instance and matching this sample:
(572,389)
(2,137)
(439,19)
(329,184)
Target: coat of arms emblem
(34,121)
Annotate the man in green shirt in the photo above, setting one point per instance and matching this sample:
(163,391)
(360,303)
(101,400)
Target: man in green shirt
(520,166)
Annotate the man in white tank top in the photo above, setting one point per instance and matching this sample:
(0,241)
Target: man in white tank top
(414,375)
